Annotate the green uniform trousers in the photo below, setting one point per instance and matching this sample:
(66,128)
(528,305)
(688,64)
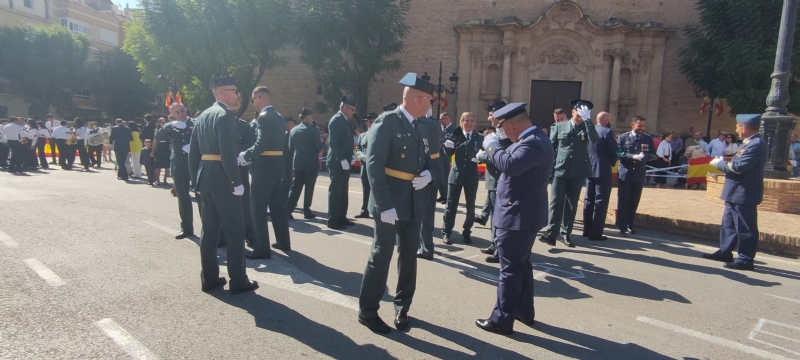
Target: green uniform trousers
(426,227)
(563,205)
(182,182)
(337,194)
(222,212)
(267,193)
(304,180)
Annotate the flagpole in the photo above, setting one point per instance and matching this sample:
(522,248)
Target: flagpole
(439,93)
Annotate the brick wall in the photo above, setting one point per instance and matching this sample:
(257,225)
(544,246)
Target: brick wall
(782,196)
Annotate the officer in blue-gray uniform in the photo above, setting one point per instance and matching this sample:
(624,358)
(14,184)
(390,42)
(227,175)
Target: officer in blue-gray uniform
(635,149)
(524,156)
(431,137)
(603,156)
(570,140)
(490,181)
(398,170)
(361,154)
(340,156)
(742,192)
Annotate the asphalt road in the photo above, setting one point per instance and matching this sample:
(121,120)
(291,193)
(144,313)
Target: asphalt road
(91,271)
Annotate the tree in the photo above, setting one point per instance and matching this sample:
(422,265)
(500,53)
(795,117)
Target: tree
(189,41)
(46,64)
(116,79)
(731,52)
(347,43)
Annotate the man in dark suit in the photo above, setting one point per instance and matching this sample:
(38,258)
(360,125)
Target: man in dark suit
(361,154)
(490,181)
(306,145)
(742,192)
(216,175)
(398,171)
(179,133)
(149,128)
(120,138)
(603,156)
(431,138)
(465,143)
(446,154)
(267,169)
(524,156)
(340,155)
(635,149)
(570,141)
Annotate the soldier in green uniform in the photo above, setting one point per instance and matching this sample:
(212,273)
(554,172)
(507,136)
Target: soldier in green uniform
(266,156)
(361,154)
(398,174)
(179,133)
(431,138)
(340,155)
(247,137)
(464,143)
(306,145)
(572,166)
(446,154)
(212,164)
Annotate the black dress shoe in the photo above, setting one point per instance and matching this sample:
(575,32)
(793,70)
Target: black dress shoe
(738,266)
(347,222)
(489,250)
(443,202)
(338,226)
(309,215)
(488,325)
(289,216)
(566,241)
(492,259)
(220,282)
(528,322)
(184,235)
(251,256)
(467,238)
(717,256)
(281,247)
(363,215)
(401,320)
(424,255)
(549,240)
(623,231)
(253,285)
(375,324)
(446,239)
(441,199)
(598,238)
(249,243)
(630,230)
(482,220)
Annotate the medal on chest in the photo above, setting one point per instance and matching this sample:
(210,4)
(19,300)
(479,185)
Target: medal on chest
(427,148)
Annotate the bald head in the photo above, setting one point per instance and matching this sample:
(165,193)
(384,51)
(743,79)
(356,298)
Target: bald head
(178,111)
(416,102)
(603,119)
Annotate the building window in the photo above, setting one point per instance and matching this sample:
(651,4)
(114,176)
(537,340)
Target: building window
(83,95)
(75,26)
(109,37)
(28,3)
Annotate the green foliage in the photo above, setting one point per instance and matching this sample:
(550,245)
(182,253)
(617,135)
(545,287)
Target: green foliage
(189,41)
(115,78)
(731,52)
(348,42)
(46,64)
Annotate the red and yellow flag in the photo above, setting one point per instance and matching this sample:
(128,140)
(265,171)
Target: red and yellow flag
(719,108)
(179,97)
(441,96)
(706,103)
(168,99)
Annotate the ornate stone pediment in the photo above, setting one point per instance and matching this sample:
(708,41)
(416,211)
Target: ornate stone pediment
(559,54)
(495,55)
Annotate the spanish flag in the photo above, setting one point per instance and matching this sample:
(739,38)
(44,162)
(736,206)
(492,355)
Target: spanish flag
(168,99)
(706,103)
(179,97)
(441,96)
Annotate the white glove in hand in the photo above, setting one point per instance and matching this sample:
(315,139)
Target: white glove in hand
(501,134)
(422,180)
(186,148)
(638,156)
(240,159)
(345,165)
(716,161)
(489,139)
(584,112)
(178,124)
(363,158)
(239,190)
(479,155)
(475,160)
(449,144)
(389,216)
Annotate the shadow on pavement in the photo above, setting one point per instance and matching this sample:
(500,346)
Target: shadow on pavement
(588,346)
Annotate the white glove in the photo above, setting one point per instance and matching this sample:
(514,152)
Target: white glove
(716,161)
(363,158)
(178,125)
(186,148)
(475,160)
(422,180)
(239,190)
(345,165)
(638,156)
(584,112)
(489,139)
(449,144)
(240,159)
(479,155)
(390,216)
(501,134)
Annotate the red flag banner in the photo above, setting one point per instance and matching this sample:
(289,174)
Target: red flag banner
(179,97)
(706,103)
(168,99)
(718,108)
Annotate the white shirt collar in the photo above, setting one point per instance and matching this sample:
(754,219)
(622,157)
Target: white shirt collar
(265,108)
(408,116)
(633,132)
(466,133)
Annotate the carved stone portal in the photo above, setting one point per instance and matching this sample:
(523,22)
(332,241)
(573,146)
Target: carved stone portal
(559,54)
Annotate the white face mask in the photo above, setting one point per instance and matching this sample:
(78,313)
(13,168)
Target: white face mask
(429,113)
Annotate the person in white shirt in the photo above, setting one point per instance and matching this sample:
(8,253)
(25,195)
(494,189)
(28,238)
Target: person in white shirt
(61,134)
(731,146)
(40,134)
(3,145)
(717,146)
(80,131)
(50,124)
(664,153)
(14,133)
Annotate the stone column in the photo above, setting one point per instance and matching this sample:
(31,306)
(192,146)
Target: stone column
(505,91)
(613,102)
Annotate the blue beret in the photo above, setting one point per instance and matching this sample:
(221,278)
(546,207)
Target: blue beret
(497,106)
(411,80)
(509,111)
(576,103)
(749,119)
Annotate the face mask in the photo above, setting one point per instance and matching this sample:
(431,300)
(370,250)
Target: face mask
(429,113)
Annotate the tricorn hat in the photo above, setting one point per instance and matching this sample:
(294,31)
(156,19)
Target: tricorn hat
(305,112)
(348,101)
(411,80)
(496,106)
(371,116)
(221,81)
(389,107)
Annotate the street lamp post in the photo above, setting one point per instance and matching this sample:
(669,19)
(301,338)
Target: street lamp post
(440,89)
(776,123)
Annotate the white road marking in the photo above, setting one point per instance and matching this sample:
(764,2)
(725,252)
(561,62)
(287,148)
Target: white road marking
(551,270)
(165,229)
(471,257)
(124,339)
(45,273)
(7,240)
(712,339)
(784,298)
(360,241)
(758,330)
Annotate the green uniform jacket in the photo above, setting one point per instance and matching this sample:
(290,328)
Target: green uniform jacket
(361,149)
(340,140)
(247,135)
(401,148)
(270,130)
(215,132)
(305,143)
(432,135)
(572,149)
(465,171)
(178,138)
